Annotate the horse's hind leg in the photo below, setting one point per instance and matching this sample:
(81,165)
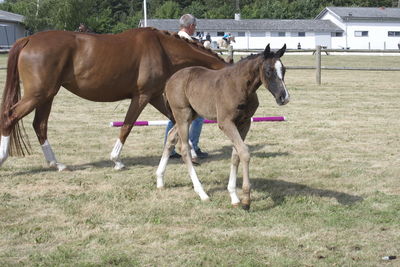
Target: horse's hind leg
(135,108)
(183,128)
(172,139)
(40,126)
(16,113)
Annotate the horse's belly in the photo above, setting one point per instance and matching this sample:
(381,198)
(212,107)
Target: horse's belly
(100,94)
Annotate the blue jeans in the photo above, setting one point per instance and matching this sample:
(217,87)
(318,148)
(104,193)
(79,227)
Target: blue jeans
(194,131)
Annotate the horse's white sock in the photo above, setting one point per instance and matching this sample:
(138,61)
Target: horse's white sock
(4,146)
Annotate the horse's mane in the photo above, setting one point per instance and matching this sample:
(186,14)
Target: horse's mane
(249,57)
(196,44)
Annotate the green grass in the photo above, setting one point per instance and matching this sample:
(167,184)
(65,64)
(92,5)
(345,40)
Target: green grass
(325,183)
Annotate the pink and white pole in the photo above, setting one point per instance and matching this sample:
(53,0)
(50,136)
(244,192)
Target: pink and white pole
(165,122)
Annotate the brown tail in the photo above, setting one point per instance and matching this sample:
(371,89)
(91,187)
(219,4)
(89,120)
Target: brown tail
(11,95)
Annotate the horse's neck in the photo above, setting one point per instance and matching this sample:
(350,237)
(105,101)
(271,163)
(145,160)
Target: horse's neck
(194,56)
(251,70)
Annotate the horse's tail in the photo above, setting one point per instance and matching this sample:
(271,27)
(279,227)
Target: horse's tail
(11,95)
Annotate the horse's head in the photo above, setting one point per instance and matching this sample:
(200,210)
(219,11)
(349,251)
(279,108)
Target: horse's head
(273,74)
(232,39)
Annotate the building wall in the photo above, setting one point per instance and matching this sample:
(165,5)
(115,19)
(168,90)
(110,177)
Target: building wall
(9,33)
(377,34)
(259,39)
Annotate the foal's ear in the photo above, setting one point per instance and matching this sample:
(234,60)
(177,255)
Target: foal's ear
(281,51)
(267,51)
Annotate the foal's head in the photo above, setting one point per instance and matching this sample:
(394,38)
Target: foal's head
(273,74)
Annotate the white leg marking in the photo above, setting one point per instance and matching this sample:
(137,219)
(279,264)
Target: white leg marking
(192,151)
(4,147)
(198,188)
(51,158)
(162,167)
(115,153)
(232,185)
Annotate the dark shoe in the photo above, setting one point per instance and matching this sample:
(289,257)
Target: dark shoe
(174,155)
(201,154)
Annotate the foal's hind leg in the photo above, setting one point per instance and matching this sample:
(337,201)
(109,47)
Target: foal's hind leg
(135,108)
(183,123)
(172,139)
(40,126)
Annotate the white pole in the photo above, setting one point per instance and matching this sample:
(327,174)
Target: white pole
(37,8)
(145,13)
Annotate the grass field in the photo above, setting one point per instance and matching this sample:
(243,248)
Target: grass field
(326,183)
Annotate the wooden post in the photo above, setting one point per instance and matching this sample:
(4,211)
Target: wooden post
(318,64)
(230,51)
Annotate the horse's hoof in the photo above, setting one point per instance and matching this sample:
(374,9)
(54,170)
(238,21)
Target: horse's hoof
(206,199)
(246,206)
(62,168)
(160,188)
(236,205)
(119,166)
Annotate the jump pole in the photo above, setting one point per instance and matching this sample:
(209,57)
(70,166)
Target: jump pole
(165,122)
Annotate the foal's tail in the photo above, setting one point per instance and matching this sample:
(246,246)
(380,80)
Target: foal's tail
(11,95)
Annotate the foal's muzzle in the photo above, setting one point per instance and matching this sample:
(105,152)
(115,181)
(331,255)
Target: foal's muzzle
(283,99)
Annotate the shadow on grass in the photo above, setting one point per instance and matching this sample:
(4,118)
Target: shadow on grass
(279,190)
(222,153)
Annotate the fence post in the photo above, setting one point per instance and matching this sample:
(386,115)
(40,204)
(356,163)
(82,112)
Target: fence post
(318,64)
(230,51)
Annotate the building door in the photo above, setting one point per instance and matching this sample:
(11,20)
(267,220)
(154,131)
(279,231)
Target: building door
(323,39)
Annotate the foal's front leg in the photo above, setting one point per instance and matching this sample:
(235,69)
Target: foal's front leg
(231,131)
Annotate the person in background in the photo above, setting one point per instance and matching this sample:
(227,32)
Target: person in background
(187,25)
(208,37)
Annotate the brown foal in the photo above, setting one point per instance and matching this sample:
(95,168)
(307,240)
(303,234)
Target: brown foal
(229,96)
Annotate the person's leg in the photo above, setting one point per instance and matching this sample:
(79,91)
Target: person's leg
(194,136)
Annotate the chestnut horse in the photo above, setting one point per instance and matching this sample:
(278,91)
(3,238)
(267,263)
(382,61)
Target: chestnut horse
(229,96)
(131,65)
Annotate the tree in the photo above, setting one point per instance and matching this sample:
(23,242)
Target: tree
(169,10)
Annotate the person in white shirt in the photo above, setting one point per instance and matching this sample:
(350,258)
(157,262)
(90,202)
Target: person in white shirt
(187,25)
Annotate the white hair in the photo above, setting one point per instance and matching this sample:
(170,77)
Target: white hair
(186,20)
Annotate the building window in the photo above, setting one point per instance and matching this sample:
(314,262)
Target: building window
(337,34)
(301,34)
(220,33)
(278,34)
(241,34)
(393,34)
(257,34)
(361,33)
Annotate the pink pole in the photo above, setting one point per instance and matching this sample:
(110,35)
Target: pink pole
(165,122)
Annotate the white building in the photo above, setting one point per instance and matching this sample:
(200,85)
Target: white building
(364,27)
(257,33)
(334,27)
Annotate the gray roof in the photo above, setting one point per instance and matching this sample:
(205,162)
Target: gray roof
(287,25)
(12,17)
(363,13)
